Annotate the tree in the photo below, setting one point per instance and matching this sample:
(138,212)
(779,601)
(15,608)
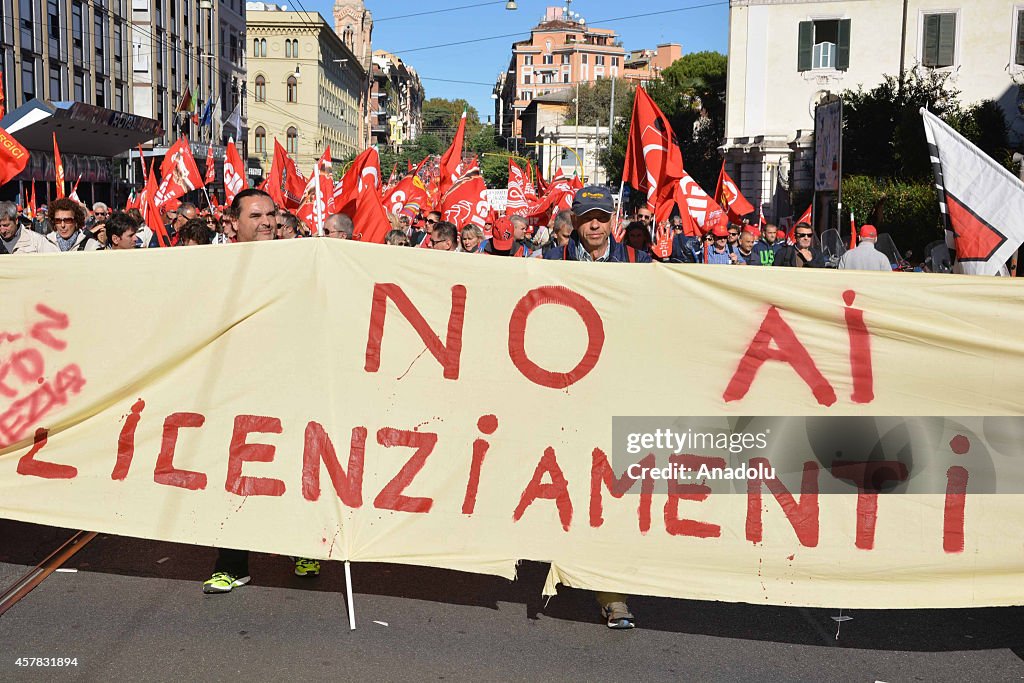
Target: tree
(595,102)
(691,94)
(441,118)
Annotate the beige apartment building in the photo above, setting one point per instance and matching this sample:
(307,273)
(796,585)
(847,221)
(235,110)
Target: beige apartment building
(786,56)
(307,88)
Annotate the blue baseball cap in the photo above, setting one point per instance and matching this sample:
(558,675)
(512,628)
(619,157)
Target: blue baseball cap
(593,198)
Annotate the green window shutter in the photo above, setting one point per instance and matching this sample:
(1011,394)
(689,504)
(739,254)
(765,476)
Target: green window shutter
(843,46)
(947,39)
(930,53)
(805,46)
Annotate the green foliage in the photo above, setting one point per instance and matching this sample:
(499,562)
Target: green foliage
(494,167)
(883,135)
(691,94)
(595,102)
(441,118)
(907,210)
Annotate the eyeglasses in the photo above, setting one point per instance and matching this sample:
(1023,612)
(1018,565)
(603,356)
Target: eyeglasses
(733,234)
(63,221)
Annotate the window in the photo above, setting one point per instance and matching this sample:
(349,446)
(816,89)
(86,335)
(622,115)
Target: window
(287,48)
(565,77)
(939,40)
(615,61)
(549,59)
(1018,46)
(260,145)
(263,47)
(55,84)
(585,57)
(824,44)
(528,59)
(293,90)
(599,60)
(28,77)
(526,79)
(565,59)
(255,47)
(293,141)
(261,89)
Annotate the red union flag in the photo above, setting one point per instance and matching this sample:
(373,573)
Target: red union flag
(210,165)
(467,204)
(730,198)
(13,158)
(517,203)
(981,202)
(59,168)
(410,192)
(234,173)
(178,173)
(451,160)
(363,173)
(704,210)
(654,162)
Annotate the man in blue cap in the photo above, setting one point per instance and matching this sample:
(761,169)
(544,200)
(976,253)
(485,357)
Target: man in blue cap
(592,210)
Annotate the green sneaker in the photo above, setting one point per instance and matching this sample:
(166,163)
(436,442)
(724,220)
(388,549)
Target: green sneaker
(222,582)
(306,567)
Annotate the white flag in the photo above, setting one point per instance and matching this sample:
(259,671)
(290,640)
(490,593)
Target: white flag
(235,120)
(982,203)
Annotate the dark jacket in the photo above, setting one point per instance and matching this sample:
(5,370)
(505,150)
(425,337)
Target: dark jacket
(619,253)
(764,254)
(685,250)
(790,257)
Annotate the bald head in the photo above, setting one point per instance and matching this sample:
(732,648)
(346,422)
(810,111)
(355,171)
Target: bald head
(339,226)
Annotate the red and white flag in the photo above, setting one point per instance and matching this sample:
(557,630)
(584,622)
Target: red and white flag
(410,193)
(705,211)
(178,173)
(364,173)
(318,199)
(654,162)
(981,202)
(467,204)
(729,197)
(234,173)
(13,158)
(517,203)
(807,216)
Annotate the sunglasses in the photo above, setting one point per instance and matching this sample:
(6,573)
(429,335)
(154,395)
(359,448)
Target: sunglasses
(430,221)
(804,234)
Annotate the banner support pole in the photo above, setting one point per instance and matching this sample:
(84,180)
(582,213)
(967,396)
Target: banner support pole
(350,603)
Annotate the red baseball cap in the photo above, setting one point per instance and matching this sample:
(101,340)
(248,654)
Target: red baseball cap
(720,231)
(868,232)
(502,234)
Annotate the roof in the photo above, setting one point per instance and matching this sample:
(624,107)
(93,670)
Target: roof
(82,128)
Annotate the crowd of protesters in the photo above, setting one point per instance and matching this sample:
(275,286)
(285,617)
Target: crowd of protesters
(66,225)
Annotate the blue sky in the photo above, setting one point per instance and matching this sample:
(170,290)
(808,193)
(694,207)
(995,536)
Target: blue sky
(697,29)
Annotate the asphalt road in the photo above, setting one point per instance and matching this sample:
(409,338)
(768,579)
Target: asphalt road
(134,610)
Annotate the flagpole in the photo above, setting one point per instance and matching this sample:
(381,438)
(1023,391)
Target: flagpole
(208,202)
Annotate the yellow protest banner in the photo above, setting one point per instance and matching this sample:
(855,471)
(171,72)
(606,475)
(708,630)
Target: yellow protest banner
(356,402)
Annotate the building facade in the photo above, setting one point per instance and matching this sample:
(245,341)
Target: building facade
(646,65)
(198,45)
(354,25)
(786,56)
(560,52)
(396,102)
(306,87)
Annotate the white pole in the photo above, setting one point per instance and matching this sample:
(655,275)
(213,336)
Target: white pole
(348,596)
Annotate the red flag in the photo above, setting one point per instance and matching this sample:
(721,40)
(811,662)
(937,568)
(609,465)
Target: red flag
(575,182)
(364,172)
(32,201)
(654,162)
(466,204)
(13,157)
(59,166)
(558,197)
(272,184)
(807,217)
(729,197)
(3,98)
(294,181)
(178,173)
(211,165)
(370,221)
(408,163)
(853,232)
(517,203)
(452,158)
(703,211)
(74,190)
(410,193)
(234,173)
(151,212)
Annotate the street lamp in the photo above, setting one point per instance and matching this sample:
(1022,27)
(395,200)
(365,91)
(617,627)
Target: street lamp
(511,4)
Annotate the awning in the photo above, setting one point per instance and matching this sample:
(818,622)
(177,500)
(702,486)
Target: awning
(81,128)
